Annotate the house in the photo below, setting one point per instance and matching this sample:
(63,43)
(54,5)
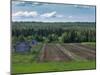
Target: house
(22,47)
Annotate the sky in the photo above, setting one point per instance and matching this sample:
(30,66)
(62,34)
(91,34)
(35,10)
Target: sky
(51,12)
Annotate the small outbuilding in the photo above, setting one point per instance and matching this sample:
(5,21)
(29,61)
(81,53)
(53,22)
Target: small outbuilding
(34,42)
(22,47)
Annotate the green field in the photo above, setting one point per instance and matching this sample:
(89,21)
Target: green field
(27,63)
(28,57)
(92,44)
(53,66)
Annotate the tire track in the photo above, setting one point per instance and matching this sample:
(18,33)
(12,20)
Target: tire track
(41,55)
(79,52)
(87,46)
(89,51)
(72,55)
(51,52)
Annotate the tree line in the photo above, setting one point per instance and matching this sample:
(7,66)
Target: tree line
(64,32)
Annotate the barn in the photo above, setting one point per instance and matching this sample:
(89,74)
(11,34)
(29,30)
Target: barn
(22,47)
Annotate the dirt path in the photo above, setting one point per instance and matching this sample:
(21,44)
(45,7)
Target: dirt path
(52,53)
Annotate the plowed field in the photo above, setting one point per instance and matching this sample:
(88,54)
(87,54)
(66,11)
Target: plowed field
(66,52)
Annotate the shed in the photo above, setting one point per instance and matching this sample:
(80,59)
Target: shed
(22,47)
(34,42)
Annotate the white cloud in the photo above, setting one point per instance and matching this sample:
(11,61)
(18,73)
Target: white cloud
(46,4)
(36,3)
(82,6)
(59,16)
(39,3)
(48,15)
(18,2)
(36,14)
(25,13)
(70,16)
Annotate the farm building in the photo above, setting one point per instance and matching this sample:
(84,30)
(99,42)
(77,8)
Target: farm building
(34,42)
(22,47)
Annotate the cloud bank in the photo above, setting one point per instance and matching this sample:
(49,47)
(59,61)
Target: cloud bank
(25,14)
(35,14)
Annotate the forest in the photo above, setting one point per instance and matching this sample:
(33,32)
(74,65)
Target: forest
(54,32)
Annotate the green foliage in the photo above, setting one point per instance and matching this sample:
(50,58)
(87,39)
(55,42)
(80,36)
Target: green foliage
(30,57)
(54,32)
(21,38)
(38,38)
(14,39)
(65,37)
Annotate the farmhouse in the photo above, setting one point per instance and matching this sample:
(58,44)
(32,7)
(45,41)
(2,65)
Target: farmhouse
(22,47)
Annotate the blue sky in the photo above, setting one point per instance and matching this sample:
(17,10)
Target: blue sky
(47,12)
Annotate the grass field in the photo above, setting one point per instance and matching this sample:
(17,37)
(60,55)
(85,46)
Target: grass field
(53,66)
(92,44)
(30,63)
(28,57)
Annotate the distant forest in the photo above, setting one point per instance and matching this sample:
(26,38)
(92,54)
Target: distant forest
(64,32)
